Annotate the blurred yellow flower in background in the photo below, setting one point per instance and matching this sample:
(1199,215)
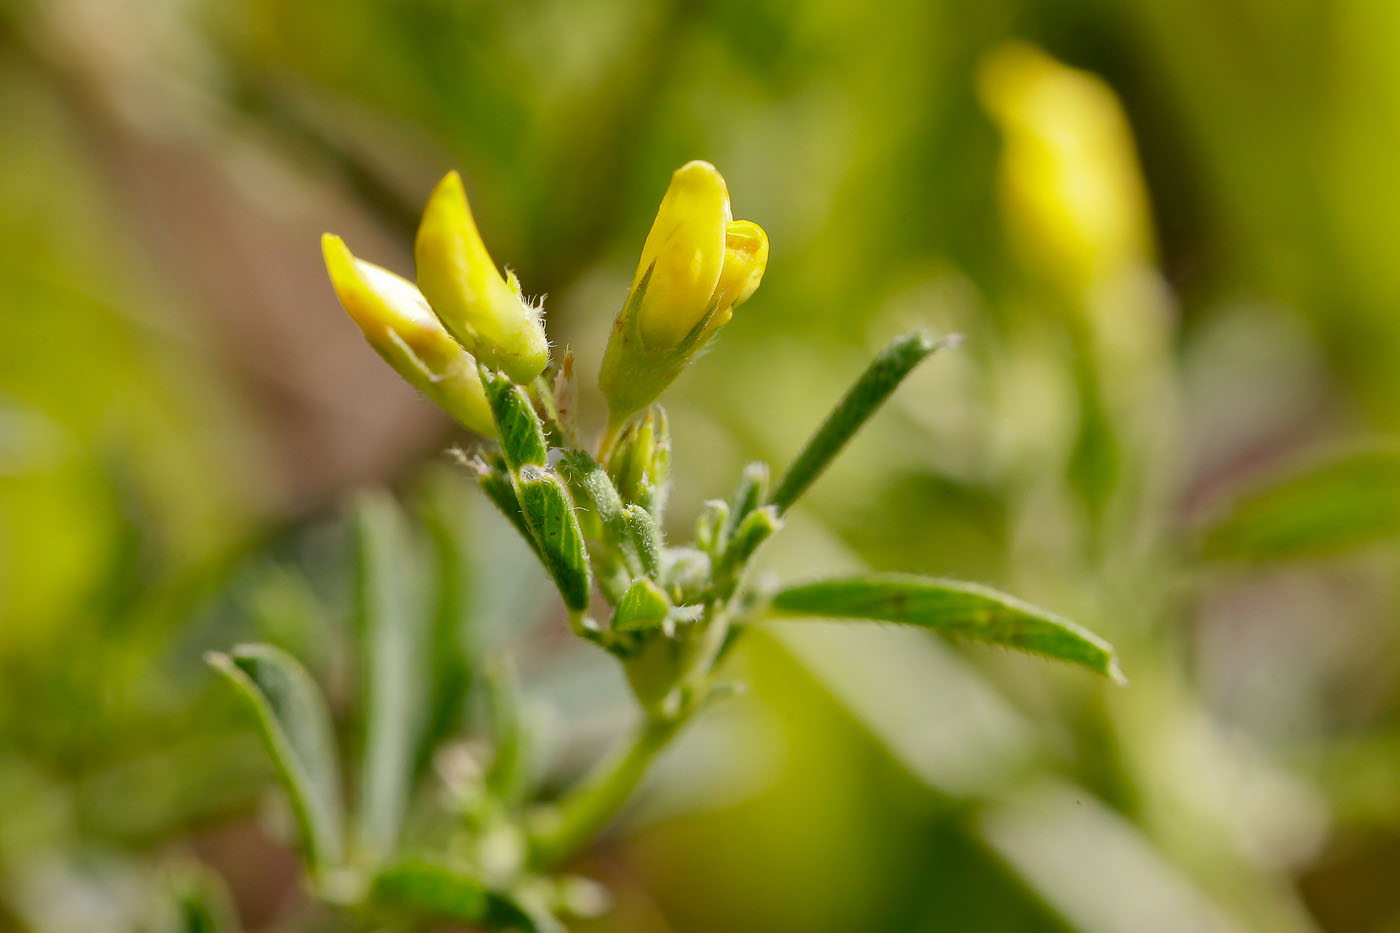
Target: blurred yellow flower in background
(1074,201)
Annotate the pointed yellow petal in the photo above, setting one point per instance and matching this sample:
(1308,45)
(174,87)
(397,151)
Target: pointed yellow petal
(466,289)
(685,253)
(399,325)
(745,258)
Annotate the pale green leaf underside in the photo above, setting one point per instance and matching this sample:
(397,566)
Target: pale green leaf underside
(296,726)
(1348,500)
(954,608)
(393,654)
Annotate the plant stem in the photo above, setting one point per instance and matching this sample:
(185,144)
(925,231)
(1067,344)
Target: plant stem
(563,828)
(609,438)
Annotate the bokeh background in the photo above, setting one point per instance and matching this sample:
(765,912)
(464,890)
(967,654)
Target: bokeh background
(1175,269)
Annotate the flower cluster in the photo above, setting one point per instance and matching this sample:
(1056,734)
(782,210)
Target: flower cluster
(467,338)
(697,265)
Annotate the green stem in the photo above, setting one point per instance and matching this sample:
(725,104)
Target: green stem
(560,830)
(609,438)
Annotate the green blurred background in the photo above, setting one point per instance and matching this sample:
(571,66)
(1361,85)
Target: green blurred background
(184,411)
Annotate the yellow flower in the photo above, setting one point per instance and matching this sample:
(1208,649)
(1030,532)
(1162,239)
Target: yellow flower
(483,310)
(400,326)
(1075,203)
(697,264)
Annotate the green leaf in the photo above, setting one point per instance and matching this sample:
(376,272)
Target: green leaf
(522,433)
(446,509)
(550,514)
(393,658)
(429,888)
(1347,500)
(296,726)
(950,607)
(511,775)
(880,379)
(643,606)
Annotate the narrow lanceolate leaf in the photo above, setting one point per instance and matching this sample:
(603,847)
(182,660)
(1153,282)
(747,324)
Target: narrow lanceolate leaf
(1347,500)
(434,890)
(522,433)
(446,509)
(549,512)
(950,607)
(392,629)
(511,775)
(869,392)
(292,716)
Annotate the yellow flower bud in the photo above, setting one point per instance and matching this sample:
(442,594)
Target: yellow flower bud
(683,255)
(483,310)
(1075,203)
(697,264)
(400,326)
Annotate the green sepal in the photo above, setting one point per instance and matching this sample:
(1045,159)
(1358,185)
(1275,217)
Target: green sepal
(643,606)
(553,415)
(632,376)
(296,726)
(522,433)
(549,513)
(951,607)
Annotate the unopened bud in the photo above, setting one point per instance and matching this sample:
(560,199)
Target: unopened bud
(483,310)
